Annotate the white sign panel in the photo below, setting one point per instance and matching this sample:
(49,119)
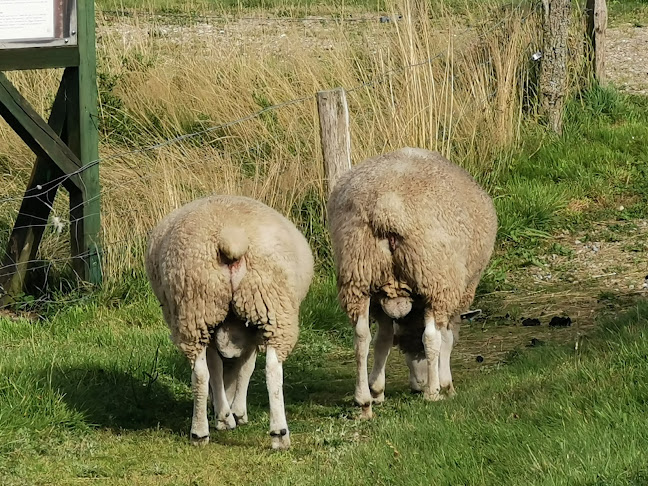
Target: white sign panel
(26,19)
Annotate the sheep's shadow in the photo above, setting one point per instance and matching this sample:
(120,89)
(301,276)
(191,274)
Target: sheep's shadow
(136,400)
(120,400)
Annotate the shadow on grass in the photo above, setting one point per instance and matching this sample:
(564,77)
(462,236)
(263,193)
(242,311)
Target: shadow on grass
(119,400)
(140,400)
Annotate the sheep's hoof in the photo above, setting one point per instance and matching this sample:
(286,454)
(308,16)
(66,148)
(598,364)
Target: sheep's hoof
(365,412)
(378,397)
(226,422)
(241,419)
(280,440)
(198,441)
(449,391)
(433,396)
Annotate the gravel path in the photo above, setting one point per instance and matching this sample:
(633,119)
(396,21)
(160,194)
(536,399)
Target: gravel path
(627,58)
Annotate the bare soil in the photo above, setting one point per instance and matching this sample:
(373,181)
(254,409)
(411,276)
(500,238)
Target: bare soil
(594,275)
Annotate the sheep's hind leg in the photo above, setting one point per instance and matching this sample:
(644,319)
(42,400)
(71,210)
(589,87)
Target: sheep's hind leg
(279,434)
(200,389)
(382,347)
(432,340)
(243,371)
(224,418)
(445,375)
(361,342)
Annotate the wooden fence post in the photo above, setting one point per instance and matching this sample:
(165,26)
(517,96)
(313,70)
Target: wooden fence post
(334,133)
(553,76)
(596,30)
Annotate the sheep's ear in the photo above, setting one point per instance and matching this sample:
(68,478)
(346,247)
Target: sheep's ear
(470,315)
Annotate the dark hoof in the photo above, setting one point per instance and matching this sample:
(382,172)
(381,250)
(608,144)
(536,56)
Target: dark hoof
(198,440)
(281,433)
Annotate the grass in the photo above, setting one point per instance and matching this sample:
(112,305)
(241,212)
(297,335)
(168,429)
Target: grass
(633,12)
(597,166)
(95,391)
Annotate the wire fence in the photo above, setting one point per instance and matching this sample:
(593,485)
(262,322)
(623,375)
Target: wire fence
(41,191)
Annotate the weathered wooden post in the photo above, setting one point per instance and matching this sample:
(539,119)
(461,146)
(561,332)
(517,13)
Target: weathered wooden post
(596,30)
(334,133)
(553,76)
(38,34)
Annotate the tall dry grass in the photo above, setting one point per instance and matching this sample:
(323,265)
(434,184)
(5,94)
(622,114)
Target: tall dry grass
(159,80)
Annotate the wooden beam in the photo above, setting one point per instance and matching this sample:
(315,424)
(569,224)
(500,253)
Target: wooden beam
(596,31)
(37,134)
(334,134)
(38,58)
(34,211)
(83,139)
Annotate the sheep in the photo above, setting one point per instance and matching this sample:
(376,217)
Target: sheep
(411,235)
(230,274)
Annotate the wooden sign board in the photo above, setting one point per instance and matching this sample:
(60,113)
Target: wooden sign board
(37,23)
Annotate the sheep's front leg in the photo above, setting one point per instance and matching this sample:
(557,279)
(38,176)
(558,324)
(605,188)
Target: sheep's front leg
(445,376)
(200,389)
(361,343)
(432,344)
(224,418)
(279,434)
(243,374)
(382,347)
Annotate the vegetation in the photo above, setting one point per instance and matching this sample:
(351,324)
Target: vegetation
(91,388)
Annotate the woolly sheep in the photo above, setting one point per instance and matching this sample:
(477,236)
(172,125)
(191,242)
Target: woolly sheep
(230,274)
(411,234)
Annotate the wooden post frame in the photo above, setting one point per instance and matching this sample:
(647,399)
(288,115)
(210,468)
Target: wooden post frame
(334,133)
(66,146)
(596,29)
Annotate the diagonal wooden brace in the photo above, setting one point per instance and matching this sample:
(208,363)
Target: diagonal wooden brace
(35,132)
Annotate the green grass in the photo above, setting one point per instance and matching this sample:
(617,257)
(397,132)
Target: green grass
(628,11)
(95,391)
(599,164)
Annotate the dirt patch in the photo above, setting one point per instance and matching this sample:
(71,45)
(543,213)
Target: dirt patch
(627,58)
(587,276)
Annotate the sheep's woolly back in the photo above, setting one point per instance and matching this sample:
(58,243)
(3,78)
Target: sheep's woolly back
(410,218)
(190,258)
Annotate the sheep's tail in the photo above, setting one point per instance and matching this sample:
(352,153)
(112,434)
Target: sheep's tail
(233,243)
(389,215)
